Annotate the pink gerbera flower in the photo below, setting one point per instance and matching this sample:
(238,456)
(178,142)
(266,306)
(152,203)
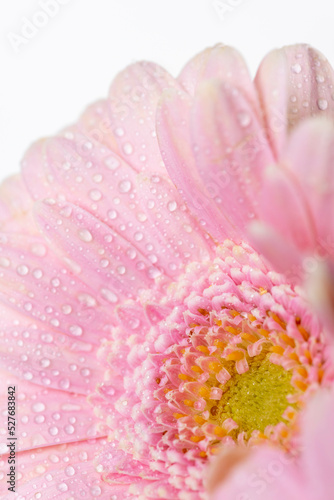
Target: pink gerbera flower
(141,330)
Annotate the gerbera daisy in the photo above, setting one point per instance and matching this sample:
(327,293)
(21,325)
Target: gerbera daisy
(140,328)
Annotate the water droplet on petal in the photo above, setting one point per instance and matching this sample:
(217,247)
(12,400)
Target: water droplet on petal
(22,270)
(296,68)
(124,186)
(172,206)
(109,295)
(62,487)
(95,491)
(38,407)
(85,235)
(322,104)
(76,330)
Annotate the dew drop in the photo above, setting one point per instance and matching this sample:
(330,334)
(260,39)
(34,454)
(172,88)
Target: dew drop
(112,214)
(38,407)
(296,68)
(124,186)
(128,148)
(62,487)
(69,471)
(95,491)
(109,295)
(76,330)
(69,429)
(172,206)
(22,270)
(85,235)
(119,132)
(4,262)
(95,195)
(322,104)
(64,383)
(244,119)
(111,163)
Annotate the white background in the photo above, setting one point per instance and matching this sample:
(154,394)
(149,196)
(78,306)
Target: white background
(47,82)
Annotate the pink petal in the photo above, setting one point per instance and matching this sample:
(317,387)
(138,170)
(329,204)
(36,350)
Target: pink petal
(48,358)
(146,209)
(111,266)
(34,282)
(62,472)
(47,417)
(284,206)
(133,100)
(310,158)
(173,128)
(319,445)
(267,474)
(282,254)
(95,124)
(220,62)
(230,149)
(293,83)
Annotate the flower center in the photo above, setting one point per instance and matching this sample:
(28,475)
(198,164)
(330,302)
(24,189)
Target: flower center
(245,359)
(257,398)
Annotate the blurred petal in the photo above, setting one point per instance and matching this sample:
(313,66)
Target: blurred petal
(294,83)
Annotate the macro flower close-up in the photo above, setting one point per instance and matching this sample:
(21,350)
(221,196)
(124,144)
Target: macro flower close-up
(154,311)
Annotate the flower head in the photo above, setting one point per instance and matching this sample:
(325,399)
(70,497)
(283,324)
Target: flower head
(142,329)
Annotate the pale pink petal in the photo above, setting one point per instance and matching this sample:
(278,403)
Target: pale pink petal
(284,206)
(220,62)
(318,440)
(293,83)
(100,181)
(310,157)
(230,150)
(34,282)
(267,474)
(173,128)
(133,99)
(100,257)
(282,254)
(34,352)
(320,290)
(47,417)
(297,195)
(61,472)
(95,125)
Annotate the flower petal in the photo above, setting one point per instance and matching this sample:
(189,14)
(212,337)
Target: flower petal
(34,282)
(294,82)
(133,99)
(222,63)
(318,440)
(48,358)
(46,416)
(267,474)
(111,266)
(146,209)
(230,149)
(62,472)
(173,128)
